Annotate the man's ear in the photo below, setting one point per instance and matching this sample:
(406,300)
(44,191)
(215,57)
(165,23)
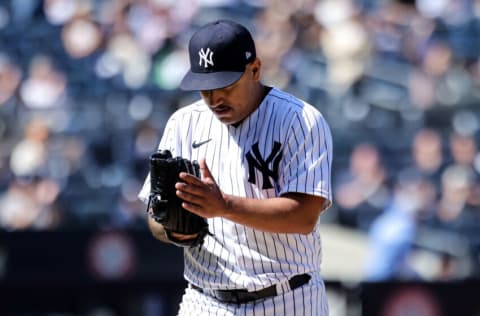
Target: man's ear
(255,68)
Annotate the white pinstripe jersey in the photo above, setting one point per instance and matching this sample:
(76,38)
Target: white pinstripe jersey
(284,146)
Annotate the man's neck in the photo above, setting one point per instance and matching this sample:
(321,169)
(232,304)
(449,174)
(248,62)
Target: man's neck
(260,93)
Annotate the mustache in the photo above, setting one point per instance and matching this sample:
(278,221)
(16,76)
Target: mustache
(220,106)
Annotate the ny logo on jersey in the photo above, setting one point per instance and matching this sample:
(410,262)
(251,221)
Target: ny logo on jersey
(205,57)
(255,160)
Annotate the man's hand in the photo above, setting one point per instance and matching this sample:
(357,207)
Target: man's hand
(201,196)
(290,213)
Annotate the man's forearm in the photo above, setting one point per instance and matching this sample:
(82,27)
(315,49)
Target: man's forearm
(292,213)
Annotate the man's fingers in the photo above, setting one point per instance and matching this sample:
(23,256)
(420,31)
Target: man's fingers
(189,188)
(189,197)
(206,175)
(189,178)
(193,208)
(204,170)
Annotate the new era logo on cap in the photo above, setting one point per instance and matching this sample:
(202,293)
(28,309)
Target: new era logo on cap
(219,52)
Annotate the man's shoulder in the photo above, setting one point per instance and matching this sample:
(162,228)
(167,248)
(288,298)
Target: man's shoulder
(197,107)
(289,102)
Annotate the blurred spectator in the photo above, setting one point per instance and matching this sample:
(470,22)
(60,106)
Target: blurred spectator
(169,69)
(362,191)
(463,150)
(427,152)
(61,11)
(345,43)
(10,75)
(425,80)
(465,153)
(44,85)
(392,234)
(428,157)
(81,37)
(456,184)
(152,23)
(29,156)
(399,30)
(460,183)
(29,201)
(275,36)
(452,12)
(18,207)
(134,62)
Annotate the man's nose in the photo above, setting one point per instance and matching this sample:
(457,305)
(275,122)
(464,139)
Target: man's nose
(214,97)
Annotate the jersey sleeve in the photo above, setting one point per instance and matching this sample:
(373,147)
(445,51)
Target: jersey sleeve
(306,167)
(168,141)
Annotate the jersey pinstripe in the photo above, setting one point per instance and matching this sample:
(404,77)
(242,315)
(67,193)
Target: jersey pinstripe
(284,146)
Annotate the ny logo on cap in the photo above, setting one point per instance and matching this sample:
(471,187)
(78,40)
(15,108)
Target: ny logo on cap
(205,57)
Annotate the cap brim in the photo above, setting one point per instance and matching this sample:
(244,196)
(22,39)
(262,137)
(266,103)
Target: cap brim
(194,81)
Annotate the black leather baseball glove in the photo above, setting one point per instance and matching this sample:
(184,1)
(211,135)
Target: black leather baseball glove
(165,207)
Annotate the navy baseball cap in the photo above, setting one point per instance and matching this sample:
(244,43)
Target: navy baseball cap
(219,52)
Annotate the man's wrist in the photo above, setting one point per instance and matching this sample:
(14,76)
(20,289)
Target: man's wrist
(230,205)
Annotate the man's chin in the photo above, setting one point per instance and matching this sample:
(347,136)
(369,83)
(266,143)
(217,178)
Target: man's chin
(226,119)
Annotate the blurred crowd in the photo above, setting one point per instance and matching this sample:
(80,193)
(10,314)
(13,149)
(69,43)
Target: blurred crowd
(86,87)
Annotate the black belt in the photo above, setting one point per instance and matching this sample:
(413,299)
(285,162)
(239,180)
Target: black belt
(243,296)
